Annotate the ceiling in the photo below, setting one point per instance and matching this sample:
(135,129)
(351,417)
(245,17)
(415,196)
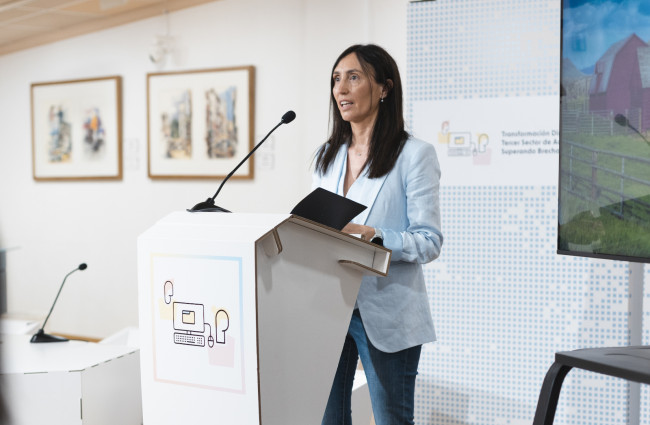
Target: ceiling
(30,23)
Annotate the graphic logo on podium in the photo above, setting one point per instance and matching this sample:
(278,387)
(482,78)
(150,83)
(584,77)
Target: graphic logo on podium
(189,319)
(198,324)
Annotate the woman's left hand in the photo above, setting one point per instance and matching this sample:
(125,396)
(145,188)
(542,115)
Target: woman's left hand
(366,232)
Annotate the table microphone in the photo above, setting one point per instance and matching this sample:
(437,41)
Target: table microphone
(208,205)
(41,336)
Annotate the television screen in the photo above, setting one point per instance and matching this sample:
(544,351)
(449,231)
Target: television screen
(604,188)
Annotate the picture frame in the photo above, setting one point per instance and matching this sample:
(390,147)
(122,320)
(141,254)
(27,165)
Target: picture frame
(77,129)
(200,124)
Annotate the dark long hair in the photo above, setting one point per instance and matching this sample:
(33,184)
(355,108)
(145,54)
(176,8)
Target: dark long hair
(388,134)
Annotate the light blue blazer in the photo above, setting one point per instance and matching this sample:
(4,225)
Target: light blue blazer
(404,205)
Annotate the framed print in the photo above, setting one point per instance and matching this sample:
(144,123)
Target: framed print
(200,123)
(77,129)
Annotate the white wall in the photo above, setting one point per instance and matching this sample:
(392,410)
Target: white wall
(57,225)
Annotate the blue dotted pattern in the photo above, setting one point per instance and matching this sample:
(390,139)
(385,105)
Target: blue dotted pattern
(465,49)
(503,301)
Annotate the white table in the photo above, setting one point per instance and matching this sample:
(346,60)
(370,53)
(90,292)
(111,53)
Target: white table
(71,382)
(12,326)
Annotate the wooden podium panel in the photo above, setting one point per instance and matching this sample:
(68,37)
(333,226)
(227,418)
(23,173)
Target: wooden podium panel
(235,308)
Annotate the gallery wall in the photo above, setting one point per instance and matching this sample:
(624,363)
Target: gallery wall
(51,227)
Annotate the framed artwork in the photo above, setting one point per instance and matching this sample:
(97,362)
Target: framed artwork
(200,123)
(77,129)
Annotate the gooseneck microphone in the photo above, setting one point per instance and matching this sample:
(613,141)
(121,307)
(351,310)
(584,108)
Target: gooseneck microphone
(622,120)
(41,336)
(208,205)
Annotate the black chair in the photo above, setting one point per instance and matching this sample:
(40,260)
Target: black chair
(631,363)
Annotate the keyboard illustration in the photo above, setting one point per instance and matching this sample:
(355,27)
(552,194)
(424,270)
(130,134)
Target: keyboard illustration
(189,339)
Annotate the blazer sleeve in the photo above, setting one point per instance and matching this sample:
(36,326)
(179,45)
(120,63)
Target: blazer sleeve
(422,240)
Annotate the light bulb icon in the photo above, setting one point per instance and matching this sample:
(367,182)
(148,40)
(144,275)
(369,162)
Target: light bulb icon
(483,141)
(168,291)
(222,323)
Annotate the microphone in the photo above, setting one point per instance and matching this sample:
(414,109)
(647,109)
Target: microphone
(41,336)
(622,120)
(208,205)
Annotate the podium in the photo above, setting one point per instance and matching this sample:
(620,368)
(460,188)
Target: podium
(243,316)
(73,382)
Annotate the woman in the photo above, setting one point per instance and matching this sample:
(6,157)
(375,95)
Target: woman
(371,159)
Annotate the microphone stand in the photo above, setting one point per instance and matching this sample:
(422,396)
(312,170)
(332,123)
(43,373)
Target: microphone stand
(208,205)
(41,336)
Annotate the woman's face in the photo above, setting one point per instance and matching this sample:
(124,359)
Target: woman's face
(356,93)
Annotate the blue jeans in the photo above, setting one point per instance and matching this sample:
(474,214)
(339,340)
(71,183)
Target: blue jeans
(391,380)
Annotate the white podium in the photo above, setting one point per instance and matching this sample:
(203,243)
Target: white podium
(243,316)
(66,383)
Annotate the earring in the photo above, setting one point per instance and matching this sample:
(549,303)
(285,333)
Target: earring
(381,100)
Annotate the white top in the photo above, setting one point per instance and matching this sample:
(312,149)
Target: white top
(21,356)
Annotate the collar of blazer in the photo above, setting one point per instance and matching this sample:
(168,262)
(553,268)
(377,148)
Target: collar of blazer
(364,190)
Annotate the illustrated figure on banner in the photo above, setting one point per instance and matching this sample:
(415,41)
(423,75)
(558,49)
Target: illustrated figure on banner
(176,127)
(460,143)
(221,129)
